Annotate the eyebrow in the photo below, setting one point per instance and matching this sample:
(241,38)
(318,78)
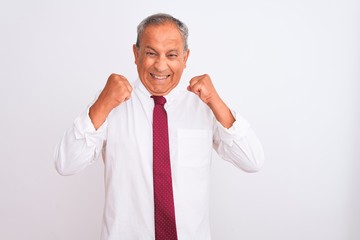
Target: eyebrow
(171,50)
(150,48)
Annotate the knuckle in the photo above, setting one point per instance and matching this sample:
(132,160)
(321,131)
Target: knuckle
(113,76)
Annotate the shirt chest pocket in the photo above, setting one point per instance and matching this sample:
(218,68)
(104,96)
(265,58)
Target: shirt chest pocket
(194,147)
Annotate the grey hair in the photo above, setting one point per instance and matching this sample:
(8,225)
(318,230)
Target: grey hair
(161,18)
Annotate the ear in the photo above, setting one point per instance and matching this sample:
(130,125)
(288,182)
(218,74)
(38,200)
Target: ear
(186,56)
(136,53)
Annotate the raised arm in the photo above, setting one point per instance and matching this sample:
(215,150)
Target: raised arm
(234,140)
(203,87)
(82,144)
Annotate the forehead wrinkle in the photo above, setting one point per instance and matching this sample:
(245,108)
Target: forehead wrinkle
(158,37)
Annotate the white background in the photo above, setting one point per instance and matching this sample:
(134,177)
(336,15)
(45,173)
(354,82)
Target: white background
(290,67)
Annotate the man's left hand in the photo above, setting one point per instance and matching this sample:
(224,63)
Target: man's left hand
(203,87)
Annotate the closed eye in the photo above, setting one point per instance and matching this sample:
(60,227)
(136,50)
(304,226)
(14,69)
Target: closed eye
(151,54)
(172,55)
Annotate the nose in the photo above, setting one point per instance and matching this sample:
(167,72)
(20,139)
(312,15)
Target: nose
(160,64)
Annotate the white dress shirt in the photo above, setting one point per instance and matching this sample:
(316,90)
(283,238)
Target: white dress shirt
(125,142)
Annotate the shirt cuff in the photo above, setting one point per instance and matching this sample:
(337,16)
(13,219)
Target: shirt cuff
(84,128)
(238,130)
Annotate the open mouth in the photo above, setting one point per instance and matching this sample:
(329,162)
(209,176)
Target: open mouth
(159,77)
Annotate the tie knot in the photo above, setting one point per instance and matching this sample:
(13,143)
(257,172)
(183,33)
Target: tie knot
(159,100)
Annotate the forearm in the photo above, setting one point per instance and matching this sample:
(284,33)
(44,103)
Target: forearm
(222,113)
(98,114)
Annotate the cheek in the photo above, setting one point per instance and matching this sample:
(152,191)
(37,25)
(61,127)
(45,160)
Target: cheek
(178,67)
(146,64)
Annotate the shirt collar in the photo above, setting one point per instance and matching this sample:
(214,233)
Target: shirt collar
(170,97)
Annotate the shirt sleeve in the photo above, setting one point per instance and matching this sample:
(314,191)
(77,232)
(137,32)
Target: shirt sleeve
(239,145)
(80,146)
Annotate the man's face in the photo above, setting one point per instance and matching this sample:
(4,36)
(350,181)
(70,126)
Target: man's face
(160,58)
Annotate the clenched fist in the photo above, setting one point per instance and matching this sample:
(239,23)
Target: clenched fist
(203,87)
(116,91)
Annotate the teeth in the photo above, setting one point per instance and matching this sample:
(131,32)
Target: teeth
(160,77)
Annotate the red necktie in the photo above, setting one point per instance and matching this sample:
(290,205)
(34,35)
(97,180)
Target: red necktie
(165,225)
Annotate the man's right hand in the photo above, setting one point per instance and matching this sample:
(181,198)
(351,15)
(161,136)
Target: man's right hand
(116,91)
